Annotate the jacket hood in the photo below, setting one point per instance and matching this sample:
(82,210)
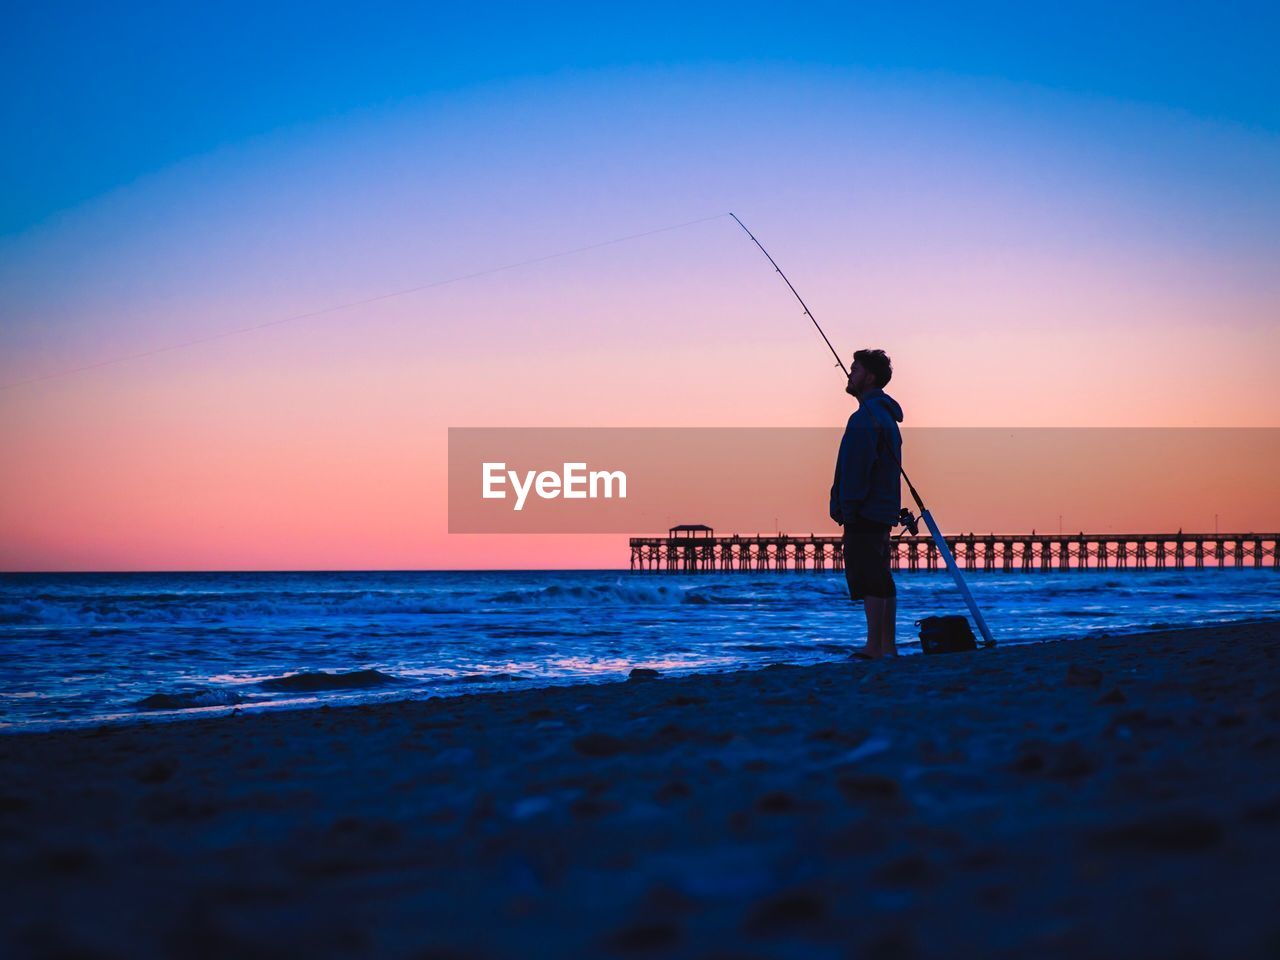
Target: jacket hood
(879,401)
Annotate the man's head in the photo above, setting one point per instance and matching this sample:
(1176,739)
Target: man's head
(870,369)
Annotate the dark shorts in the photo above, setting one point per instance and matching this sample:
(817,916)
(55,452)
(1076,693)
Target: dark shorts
(866,559)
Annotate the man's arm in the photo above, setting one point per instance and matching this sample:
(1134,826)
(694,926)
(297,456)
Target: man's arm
(853,471)
(833,508)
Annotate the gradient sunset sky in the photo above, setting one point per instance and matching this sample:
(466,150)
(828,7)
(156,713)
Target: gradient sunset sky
(1048,218)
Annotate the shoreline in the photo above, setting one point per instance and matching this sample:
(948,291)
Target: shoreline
(1102,796)
(141,716)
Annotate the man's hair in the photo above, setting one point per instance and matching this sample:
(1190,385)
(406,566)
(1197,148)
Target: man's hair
(877,363)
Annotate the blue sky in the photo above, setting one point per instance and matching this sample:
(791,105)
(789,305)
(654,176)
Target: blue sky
(102,94)
(1052,217)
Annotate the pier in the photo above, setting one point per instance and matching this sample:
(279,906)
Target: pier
(694,548)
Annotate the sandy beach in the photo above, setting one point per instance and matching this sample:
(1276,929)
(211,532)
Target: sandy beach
(1103,797)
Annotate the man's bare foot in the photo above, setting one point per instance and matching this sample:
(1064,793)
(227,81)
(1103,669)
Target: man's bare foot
(862,653)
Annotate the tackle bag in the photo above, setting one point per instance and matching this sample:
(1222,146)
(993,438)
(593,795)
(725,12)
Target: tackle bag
(946,635)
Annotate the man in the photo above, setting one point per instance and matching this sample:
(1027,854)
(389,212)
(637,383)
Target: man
(866,498)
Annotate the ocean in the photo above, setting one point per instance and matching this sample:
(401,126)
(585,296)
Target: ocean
(105,648)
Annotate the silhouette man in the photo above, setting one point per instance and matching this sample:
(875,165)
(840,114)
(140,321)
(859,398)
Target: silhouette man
(866,498)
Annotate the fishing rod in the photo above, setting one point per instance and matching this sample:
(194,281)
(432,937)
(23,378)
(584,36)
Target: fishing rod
(925,515)
(807,312)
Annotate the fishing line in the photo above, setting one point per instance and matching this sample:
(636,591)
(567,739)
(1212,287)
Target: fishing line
(323,311)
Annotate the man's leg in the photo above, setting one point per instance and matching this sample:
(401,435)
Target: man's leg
(874,606)
(887,614)
(853,561)
(889,627)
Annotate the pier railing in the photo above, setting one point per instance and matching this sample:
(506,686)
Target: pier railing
(1009,552)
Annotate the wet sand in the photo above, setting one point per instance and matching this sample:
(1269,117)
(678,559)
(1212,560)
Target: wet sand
(1104,797)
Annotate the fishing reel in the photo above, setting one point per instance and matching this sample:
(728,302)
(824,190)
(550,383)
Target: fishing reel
(909,520)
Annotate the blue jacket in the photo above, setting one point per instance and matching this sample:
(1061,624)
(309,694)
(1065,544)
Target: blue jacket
(866,481)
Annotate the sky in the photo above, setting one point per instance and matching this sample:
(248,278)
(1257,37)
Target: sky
(1062,218)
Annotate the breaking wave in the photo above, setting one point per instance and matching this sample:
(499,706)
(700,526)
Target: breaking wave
(323,680)
(204,697)
(557,594)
